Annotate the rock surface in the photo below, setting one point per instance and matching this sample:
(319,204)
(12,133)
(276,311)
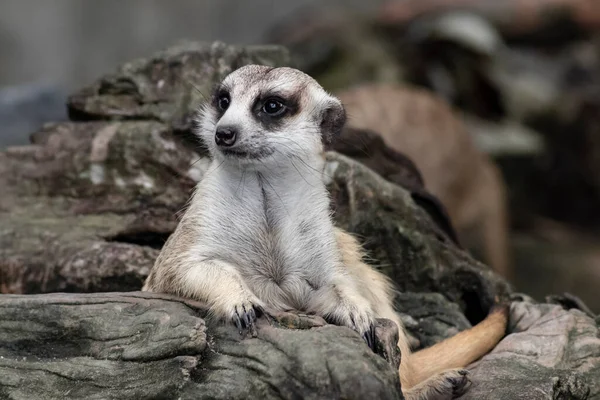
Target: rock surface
(405,242)
(552,353)
(83,206)
(143,346)
(169,86)
(87,206)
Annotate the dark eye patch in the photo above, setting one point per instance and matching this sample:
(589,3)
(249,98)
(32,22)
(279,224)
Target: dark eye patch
(221,100)
(270,109)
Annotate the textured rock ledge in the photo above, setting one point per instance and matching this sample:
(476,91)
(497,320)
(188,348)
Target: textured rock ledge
(143,346)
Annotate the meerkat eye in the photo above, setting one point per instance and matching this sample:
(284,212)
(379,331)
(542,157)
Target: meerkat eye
(223,102)
(273,107)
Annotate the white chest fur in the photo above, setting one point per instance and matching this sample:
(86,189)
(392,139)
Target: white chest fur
(274,227)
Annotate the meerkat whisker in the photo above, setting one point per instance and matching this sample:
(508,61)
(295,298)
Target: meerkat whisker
(264,177)
(241,179)
(196,88)
(296,168)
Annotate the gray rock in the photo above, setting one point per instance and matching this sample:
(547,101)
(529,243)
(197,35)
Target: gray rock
(86,206)
(404,242)
(141,346)
(551,353)
(170,86)
(430,318)
(146,346)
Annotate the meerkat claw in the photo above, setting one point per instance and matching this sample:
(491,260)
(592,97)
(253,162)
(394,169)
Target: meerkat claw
(236,320)
(369,337)
(252,314)
(245,316)
(461,383)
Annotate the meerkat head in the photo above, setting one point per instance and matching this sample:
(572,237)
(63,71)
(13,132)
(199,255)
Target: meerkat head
(260,114)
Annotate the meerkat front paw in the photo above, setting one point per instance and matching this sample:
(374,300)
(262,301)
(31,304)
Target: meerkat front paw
(241,311)
(244,315)
(359,319)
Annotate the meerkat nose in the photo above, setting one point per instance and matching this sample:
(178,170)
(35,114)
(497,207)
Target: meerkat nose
(225,137)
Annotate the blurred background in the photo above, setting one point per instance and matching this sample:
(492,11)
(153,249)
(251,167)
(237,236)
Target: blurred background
(523,76)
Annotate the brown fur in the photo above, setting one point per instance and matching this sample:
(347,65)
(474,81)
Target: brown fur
(423,127)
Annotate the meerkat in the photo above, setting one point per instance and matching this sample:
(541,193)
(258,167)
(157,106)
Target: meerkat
(258,232)
(469,185)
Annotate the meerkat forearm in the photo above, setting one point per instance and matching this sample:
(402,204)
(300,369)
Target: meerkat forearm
(219,284)
(216,283)
(342,302)
(378,290)
(183,270)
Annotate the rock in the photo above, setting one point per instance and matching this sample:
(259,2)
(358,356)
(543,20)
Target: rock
(129,160)
(169,86)
(570,302)
(430,318)
(369,149)
(141,346)
(551,353)
(88,205)
(403,240)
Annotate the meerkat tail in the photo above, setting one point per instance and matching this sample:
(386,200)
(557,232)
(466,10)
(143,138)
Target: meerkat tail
(459,350)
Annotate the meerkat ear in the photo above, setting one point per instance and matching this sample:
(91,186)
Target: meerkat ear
(333,120)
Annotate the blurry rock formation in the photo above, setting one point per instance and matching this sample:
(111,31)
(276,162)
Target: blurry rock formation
(465,180)
(524,76)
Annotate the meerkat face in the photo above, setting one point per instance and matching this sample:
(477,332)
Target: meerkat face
(261,115)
